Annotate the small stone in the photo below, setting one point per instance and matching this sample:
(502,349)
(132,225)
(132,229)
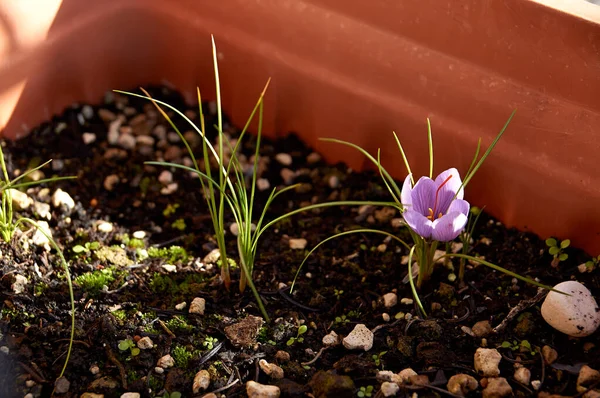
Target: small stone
(166,362)
(19,284)
(145,140)
(467,330)
(287,176)
(282,356)
(29,383)
(88,138)
(61,198)
(390,300)
(169,189)
(587,377)
(40,238)
(173,153)
(360,338)
(536,384)
(159,370)
(165,177)
(61,385)
(160,132)
(173,137)
(244,332)
(145,343)
(407,301)
(257,390)
(106,115)
(201,381)
(198,306)
(131,395)
(28,395)
(284,159)
(87,111)
(271,369)
(58,164)
(212,257)
(263,184)
(113,131)
(487,361)
(139,234)
(42,210)
(389,389)
(385,317)
(94,369)
(331,385)
(550,354)
(180,306)
(298,244)
(462,384)
(497,387)
(330,340)
(110,181)
(482,328)
(91,395)
(313,158)
(406,374)
(210,395)
(577,315)
(104,226)
(5,350)
(115,154)
(522,375)
(169,267)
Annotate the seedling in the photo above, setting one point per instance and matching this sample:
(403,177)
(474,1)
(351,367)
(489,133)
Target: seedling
(556,250)
(365,391)
(592,264)
(209,342)
(170,209)
(377,358)
(298,339)
(86,248)
(524,346)
(341,320)
(338,293)
(129,345)
(179,224)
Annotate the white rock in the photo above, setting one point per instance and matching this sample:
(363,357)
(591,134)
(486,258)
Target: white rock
(331,339)
(145,343)
(198,306)
(406,374)
(257,390)
(461,384)
(313,157)
(113,131)
(271,369)
(577,315)
(131,395)
(360,338)
(180,306)
(333,182)
(212,257)
(406,301)
(20,200)
(390,300)
(389,389)
(88,138)
(487,361)
(42,210)
(287,176)
(536,384)
(169,189)
(497,387)
(284,159)
(298,244)
(139,234)
(523,375)
(201,381)
(62,198)
(169,267)
(165,177)
(104,226)
(110,181)
(19,285)
(263,184)
(94,369)
(41,239)
(158,370)
(144,140)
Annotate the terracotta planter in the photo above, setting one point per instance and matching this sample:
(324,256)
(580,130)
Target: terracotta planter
(355,70)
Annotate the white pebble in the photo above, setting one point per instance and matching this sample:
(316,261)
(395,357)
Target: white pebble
(20,200)
(19,284)
(198,306)
(390,300)
(180,306)
(333,182)
(88,138)
(389,389)
(577,315)
(113,131)
(169,189)
(523,375)
(263,184)
(145,343)
(159,370)
(87,111)
(257,390)
(42,210)
(41,239)
(331,339)
(360,338)
(169,268)
(165,177)
(131,395)
(94,369)
(166,362)
(271,369)
(287,176)
(284,159)
(126,141)
(139,234)
(406,301)
(144,140)
(298,244)
(61,198)
(201,381)
(104,226)
(487,361)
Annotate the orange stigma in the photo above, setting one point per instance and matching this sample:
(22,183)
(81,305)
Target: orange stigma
(431,215)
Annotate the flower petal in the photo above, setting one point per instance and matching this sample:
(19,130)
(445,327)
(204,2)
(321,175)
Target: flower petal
(418,223)
(423,195)
(447,227)
(405,195)
(447,192)
(460,206)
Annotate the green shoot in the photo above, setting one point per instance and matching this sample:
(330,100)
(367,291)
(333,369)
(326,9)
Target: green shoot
(128,344)
(298,339)
(556,250)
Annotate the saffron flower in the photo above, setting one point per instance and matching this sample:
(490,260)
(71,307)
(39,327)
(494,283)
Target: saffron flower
(435,209)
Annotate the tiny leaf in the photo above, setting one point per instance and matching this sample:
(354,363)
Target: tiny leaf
(551,242)
(123,345)
(135,351)
(553,250)
(565,243)
(563,256)
(79,249)
(302,329)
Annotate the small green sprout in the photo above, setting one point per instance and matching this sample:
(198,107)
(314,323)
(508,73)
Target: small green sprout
(86,248)
(128,344)
(556,250)
(377,358)
(524,346)
(179,224)
(592,264)
(341,320)
(298,339)
(209,342)
(170,209)
(365,392)
(338,293)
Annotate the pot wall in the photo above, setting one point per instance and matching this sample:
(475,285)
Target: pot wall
(353,70)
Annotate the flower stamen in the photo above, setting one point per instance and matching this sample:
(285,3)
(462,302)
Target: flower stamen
(432,212)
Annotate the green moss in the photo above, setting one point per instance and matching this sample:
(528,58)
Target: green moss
(163,284)
(114,255)
(121,315)
(172,254)
(178,324)
(179,224)
(93,282)
(182,356)
(135,243)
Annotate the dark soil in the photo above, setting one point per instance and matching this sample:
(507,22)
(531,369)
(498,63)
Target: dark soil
(120,295)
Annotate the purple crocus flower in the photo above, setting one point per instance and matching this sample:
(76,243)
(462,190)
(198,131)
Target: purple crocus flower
(431,209)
